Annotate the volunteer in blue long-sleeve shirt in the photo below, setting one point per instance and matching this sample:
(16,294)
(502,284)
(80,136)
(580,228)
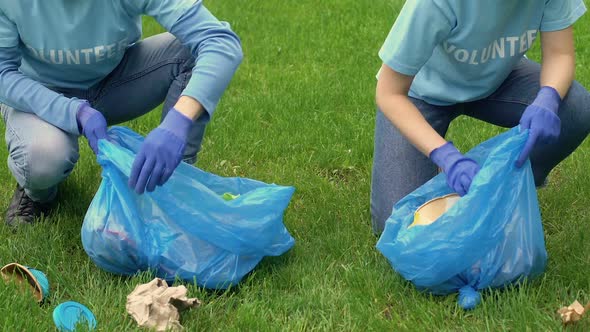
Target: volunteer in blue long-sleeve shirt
(69,68)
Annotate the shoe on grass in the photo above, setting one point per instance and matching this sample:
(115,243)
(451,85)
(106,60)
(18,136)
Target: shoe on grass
(23,210)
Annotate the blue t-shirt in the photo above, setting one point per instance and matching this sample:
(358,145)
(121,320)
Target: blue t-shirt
(461,50)
(74,44)
(77,43)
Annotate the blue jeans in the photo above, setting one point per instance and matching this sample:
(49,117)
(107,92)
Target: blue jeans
(399,168)
(154,70)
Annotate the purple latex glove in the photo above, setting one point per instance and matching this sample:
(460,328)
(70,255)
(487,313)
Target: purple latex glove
(542,121)
(160,153)
(459,169)
(92,124)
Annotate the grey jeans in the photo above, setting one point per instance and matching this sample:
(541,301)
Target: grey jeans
(154,70)
(399,168)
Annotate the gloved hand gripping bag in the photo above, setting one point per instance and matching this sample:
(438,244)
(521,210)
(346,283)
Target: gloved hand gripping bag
(184,229)
(492,237)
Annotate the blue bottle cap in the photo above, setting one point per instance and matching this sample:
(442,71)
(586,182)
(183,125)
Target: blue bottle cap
(68,314)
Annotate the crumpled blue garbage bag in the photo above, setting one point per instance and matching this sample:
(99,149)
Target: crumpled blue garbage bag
(490,238)
(198,227)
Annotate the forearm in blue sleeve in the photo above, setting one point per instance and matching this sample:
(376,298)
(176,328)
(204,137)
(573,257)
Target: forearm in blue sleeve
(217,51)
(27,95)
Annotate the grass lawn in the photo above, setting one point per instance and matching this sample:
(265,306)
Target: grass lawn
(300,112)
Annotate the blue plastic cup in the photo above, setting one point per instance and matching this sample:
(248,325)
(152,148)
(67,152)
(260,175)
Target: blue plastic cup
(25,275)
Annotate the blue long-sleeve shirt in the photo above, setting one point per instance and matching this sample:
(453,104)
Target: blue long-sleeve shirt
(76,44)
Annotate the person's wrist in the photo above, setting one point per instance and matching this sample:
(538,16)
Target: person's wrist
(548,98)
(445,155)
(84,112)
(177,123)
(189,107)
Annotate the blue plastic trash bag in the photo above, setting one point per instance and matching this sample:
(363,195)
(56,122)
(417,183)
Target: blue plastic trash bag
(186,228)
(490,238)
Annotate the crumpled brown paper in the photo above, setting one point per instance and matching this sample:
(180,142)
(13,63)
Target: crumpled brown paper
(573,312)
(157,306)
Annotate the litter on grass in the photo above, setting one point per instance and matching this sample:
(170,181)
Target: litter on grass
(573,312)
(27,277)
(157,306)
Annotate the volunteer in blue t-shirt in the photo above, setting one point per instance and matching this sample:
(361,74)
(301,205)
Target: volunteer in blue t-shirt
(445,58)
(70,68)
